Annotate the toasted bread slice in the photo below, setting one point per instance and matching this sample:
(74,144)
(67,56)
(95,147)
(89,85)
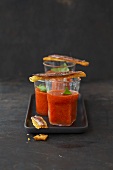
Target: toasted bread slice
(57,57)
(57,75)
(39,122)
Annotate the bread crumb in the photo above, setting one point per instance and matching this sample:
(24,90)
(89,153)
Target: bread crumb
(29,139)
(40,137)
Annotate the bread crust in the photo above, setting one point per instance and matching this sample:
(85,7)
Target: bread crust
(39,122)
(57,57)
(56,75)
(40,137)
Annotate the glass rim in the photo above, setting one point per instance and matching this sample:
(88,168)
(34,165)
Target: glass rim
(64,80)
(49,65)
(42,81)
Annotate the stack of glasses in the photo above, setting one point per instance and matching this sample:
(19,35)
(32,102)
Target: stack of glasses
(57,98)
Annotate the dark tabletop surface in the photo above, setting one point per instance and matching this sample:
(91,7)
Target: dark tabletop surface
(91,150)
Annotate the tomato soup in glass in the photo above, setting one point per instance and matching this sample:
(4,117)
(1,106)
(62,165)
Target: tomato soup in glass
(62,102)
(62,108)
(41,98)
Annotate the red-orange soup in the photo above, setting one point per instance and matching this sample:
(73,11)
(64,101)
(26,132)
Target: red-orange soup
(62,108)
(41,102)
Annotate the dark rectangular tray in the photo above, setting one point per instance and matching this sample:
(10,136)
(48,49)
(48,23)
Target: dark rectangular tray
(79,126)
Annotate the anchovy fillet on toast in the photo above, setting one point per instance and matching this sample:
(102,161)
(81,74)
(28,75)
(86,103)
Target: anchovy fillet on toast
(57,57)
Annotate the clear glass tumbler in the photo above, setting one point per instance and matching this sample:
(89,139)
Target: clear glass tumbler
(41,97)
(58,66)
(62,99)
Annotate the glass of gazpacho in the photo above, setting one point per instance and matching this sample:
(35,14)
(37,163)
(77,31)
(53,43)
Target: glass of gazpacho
(41,97)
(62,102)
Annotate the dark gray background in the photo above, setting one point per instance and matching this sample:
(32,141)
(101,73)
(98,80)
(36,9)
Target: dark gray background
(32,29)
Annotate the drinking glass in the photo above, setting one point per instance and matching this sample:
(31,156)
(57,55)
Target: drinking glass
(62,99)
(41,97)
(58,66)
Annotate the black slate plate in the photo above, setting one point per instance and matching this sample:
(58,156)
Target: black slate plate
(79,126)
